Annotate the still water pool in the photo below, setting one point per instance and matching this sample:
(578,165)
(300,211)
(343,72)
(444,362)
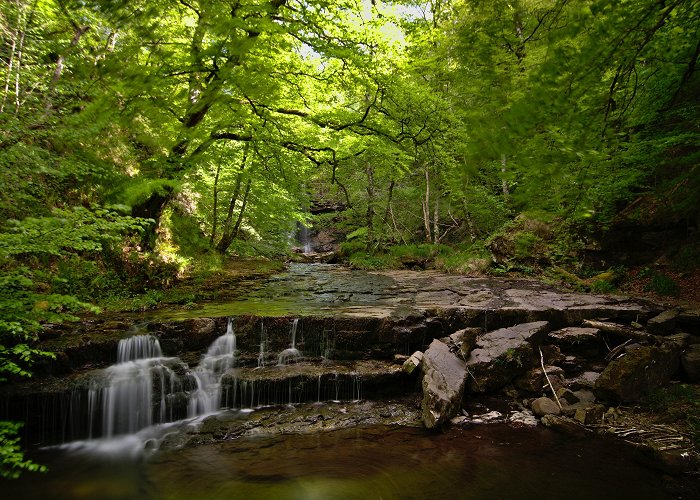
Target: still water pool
(484,462)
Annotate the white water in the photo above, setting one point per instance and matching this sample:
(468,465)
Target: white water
(291,354)
(144,388)
(220,358)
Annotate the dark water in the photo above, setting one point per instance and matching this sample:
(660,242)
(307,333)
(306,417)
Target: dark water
(485,462)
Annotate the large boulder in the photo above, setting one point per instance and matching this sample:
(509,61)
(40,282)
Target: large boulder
(443,384)
(502,355)
(639,371)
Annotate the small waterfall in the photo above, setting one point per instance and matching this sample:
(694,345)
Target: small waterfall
(140,381)
(263,344)
(305,238)
(220,358)
(138,347)
(292,354)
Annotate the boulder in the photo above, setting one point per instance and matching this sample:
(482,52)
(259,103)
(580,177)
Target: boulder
(545,406)
(568,396)
(690,360)
(575,340)
(533,380)
(501,355)
(443,384)
(586,380)
(639,371)
(664,323)
(464,339)
(413,362)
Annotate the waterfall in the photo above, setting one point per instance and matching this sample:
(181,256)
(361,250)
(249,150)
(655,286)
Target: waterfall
(144,388)
(263,343)
(126,397)
(291,354)
(220,357)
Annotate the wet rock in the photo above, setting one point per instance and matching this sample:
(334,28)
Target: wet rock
(464,340)
(571,365)
(490,417)
(501,355)
(690,360)
(545,406)
(664,323)
(534,381)
(567,395)
(552,355)
(413,362)
(639,371)
(586,380)
(588,415)
(524,418)
(564,424)
(682,340)
(689,318)
(576,340)
(443,384)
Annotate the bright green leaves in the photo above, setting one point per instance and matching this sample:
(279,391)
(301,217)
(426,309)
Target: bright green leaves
(67,231)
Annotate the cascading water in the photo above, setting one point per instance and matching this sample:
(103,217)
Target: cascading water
(292,354)
(128,401)
(220,358)
(144,388)
(263,343)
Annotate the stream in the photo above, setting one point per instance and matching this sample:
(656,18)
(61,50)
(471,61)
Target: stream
(256,418)
(485,462)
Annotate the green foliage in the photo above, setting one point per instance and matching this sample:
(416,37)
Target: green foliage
(662,284)
(525,243)
(602,286)
(372,262)
(12,461)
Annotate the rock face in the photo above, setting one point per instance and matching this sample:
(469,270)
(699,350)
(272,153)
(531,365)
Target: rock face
(443,384)
(502,355)
(641,370)
(410,365)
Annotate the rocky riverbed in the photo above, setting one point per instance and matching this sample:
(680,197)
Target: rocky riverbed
(455,351)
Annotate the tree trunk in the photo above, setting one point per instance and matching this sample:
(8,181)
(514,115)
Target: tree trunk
(503,173)
(426,208)
(215,212)
(369,170)
(228,233)
(436,220)
(58,70)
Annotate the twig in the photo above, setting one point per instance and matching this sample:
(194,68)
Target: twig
(549,382)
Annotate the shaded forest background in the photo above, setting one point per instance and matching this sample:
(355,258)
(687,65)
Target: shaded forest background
(147,142)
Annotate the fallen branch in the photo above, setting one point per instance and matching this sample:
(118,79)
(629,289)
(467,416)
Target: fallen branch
(549,382)
(622,331)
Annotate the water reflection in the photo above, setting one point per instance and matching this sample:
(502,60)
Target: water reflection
(494,461)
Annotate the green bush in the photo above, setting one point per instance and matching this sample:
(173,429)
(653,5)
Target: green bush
(524,244)
(663,285)
(372,262)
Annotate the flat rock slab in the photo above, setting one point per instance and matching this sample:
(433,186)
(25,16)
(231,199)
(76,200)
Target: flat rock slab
(502,355)
(315,289)
(443,384)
